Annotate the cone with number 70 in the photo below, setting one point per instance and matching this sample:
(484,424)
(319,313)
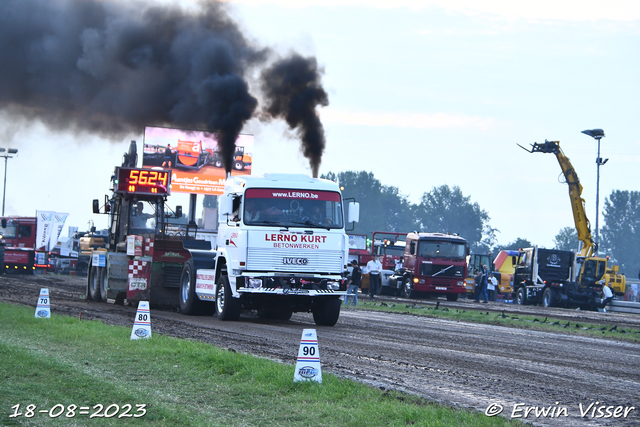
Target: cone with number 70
(43,310)
(142,322)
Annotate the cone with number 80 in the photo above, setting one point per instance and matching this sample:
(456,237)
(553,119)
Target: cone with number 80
(142,322)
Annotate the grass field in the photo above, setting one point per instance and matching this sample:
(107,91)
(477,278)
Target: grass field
(62,364)
(540,323)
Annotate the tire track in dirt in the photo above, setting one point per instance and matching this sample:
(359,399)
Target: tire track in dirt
(456,363)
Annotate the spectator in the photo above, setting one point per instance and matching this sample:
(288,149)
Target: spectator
(477,280)
(354,284)
(492,285)
(168,154)
(400,263)
(607,296)
(375,281)
(483,285)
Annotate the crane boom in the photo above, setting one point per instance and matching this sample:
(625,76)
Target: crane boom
(583,227)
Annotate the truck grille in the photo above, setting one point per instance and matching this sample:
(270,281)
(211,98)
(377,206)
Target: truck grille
(172,276)
(260,259)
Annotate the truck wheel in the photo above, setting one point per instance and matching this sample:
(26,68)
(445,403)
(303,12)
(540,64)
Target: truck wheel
(549,297)
(407,289)
(94,284)
(189,302)
(327,312)
(238,165)
(217,163)
(452,297)
(104,281)
(521,296)
(227,306)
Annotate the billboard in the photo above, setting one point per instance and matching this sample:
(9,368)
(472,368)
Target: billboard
(194,158)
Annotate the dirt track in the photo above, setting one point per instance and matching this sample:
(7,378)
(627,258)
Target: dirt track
(457,363)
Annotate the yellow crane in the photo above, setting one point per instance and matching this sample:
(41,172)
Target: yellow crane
(594,269)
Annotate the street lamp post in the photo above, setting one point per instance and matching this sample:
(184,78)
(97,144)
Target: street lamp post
(5,153)
(597,134)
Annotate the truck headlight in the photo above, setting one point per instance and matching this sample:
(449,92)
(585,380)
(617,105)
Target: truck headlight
(460,283)
(254,283)
(334,286)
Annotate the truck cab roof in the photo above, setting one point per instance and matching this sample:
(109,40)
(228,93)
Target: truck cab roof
(434,236)
(237,184)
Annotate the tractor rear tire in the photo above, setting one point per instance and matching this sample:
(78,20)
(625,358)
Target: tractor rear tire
(94,284)
(104,282)
(227,307)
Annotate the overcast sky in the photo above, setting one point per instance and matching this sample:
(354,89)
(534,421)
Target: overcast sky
(421,94)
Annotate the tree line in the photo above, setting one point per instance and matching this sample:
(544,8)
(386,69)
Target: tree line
(445,209)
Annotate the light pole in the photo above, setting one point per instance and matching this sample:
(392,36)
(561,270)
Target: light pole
(597,134)
(5,153)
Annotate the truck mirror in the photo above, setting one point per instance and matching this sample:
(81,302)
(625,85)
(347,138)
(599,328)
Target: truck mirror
(179,211)
(4,223)
(93,229)
(96,206)
(354,212)
(225,205)
(513,260)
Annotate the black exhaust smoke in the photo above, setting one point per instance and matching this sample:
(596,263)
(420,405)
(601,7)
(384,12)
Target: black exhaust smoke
(110,68)
(293,90)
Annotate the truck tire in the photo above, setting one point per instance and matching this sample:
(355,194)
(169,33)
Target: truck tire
(521,296)
(550,297)
(238,165)
(227,307)
(327,312)
(104,281)
(407,289)
(217,163)
(452,297)
(94,284)
(189,302)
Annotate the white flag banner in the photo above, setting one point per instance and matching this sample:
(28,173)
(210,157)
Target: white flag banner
(43,230)
(58,221)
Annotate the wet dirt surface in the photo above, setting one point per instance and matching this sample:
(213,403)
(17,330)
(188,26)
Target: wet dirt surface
(457,363)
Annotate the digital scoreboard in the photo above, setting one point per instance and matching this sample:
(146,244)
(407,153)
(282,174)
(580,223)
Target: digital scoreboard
(144,181)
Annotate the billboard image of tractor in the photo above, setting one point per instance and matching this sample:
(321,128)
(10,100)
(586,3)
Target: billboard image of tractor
(194,158)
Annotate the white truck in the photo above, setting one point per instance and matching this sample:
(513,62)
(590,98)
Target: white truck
(281,248)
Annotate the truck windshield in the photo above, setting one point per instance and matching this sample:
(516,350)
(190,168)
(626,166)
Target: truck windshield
(441,249)
(293,208)
(9,232)
(143,218)
(390,250)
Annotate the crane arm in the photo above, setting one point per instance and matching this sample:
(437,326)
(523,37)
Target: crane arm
(583,227)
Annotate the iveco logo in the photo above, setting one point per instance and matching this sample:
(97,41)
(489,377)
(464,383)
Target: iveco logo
(554,259)
(295,261)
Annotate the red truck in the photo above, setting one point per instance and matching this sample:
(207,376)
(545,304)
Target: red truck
(434,264)
(19,236)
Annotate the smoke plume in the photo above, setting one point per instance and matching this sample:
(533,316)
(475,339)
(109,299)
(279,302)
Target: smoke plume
(293,90)
(112,67)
